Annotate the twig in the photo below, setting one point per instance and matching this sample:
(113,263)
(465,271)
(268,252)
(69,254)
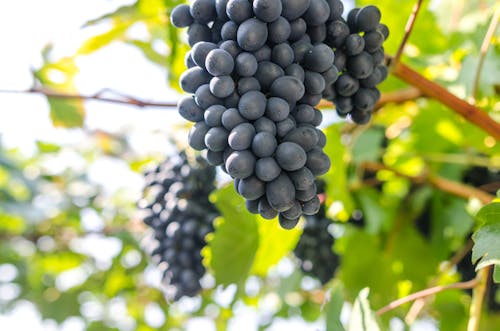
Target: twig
(443,184)
(484,50)
(419,304)
(122,99)
(425,293)
(463,108)
(408,28)
(478,298)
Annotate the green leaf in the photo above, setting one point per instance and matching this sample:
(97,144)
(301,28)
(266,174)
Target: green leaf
(368,145)
(235,240)
(334,308)
(274,243)
(66,113)
(117,32)
(336,178)
(486,248)
(362,318)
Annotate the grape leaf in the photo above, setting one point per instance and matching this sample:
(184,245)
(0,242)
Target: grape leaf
(362,318)
(334,308)
(274,243)
(486,248)
(235,240)
(336,178)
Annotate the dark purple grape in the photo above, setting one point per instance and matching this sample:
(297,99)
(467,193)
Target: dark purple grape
(181,17)
(252,34)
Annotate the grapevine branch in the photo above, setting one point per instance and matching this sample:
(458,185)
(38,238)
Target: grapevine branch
(436,91)
(443,184)
(419,304)
(120,99)
(477,298)
(425,293)
(408,30)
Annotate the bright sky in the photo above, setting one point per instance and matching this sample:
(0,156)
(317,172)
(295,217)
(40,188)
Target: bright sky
(27,26)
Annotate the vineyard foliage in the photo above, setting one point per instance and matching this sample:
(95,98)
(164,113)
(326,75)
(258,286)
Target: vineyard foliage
(75,249)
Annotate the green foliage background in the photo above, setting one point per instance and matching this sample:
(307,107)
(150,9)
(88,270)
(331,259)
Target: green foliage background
(41,235)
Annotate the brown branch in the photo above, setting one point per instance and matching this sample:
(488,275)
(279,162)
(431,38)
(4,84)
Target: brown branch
(443,184)
(463,108)
(425,293)
(121,99)
(419,304)
(484,50)
(408,28)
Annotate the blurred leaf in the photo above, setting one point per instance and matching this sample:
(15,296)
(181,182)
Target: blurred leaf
(334,308)
(274,243)
(235,240)
(362,318)
(486,248)
(116,33)
(368,145)
(336,178)
(58,76)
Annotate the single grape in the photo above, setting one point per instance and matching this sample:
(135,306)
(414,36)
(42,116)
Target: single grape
(246,64)
(302,178)
(298,28)
(319,58)
(204,98)
(267,169)
(360,66)
(189,110)
(282,55)
(216,139)
(246,84)
(252,105)
(277,109)
(213,115)
(252,34)
(239,10)
(317,13)
(231,118)
(314,82)
(251,188)
(181,17)
(241,136)
(287,87)
(281,193)
(196,136)
(279,31)
(293,9)
(267,10)
(264,144)
(368,18)
(203,11)
(318,162)
(240,164)
(305,136)
(265,209)
(219,62)
(290,156)
(193,78)
(222,86)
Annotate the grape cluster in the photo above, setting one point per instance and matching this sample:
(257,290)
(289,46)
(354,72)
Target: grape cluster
(177,208)
(314,249)
(256,76)
(359,58)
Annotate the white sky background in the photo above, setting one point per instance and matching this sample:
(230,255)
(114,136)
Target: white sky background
(26,26)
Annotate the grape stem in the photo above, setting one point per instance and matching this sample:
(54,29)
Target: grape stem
(443,184)
(408,29)
(436,91)
(477,298)
(425,293)
(120,98)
